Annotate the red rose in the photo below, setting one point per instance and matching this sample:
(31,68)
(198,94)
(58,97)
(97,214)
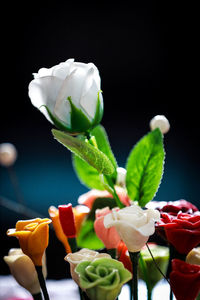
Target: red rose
(185,280)
(173,207)
(176,206)
(182,231)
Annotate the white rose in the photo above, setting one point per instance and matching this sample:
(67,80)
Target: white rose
(23,270)
(69,95)
(133,224)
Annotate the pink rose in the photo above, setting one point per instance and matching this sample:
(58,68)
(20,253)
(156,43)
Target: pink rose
(108,236)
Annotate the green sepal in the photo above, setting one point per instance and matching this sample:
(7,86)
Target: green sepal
(98,113)
(79,121)
(102,278)
(145,167)
(85,151)
(57,122)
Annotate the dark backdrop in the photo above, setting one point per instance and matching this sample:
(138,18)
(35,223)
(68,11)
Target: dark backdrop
(145,54)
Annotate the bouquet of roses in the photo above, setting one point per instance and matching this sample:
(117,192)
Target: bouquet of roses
(118,214)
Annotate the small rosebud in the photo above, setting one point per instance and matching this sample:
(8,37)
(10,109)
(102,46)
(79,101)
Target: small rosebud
(121,177)
(67,220)
(160,122)
(23,270)
(8,154)
(193,256)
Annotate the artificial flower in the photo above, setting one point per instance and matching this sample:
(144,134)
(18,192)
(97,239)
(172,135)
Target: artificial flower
(133,224)
(89,197)
(193,257)
(161,257)
(69,95)
(109,236)
(67,220)
(82,255)
(161,122)
(185,280)
(173,207)
(182,231)
(54,214)
(33,237)
(102,278)
(23,270)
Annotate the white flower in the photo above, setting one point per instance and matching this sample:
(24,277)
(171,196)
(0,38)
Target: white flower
(23,270)
(193,256)
(82,255)
(133,224)
(160,122)
(121,177)
(8,154)
(69,95)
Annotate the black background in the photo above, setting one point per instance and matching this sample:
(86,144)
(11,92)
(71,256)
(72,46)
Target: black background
(146,56)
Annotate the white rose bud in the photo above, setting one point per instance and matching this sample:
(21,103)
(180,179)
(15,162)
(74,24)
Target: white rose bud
(193,256)
(69,95)
(23,270)
(8,154)
(160,122)
(133,224)
(121,177)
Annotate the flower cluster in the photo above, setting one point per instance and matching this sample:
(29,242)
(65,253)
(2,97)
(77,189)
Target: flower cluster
(118,213)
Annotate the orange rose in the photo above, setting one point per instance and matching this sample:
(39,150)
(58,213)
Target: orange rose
(33,237)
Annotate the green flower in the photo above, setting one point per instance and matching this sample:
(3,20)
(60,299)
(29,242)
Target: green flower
(102,278)
(161,256)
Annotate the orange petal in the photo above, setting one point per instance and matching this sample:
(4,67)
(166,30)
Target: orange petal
(80,212)
(21,224)
(38,242)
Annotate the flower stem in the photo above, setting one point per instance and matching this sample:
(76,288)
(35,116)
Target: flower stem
(73,244)
(37,296)
(134,256)
(42,282)
(112,253)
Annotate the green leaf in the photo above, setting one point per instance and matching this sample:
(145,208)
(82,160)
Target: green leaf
(145,167)
(86,173)
(85,151)
(103,143)
(87,237)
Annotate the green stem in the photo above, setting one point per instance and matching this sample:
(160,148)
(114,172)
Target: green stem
(37,296)
(113,192)
(73,244)
(134,256)
(42,282)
